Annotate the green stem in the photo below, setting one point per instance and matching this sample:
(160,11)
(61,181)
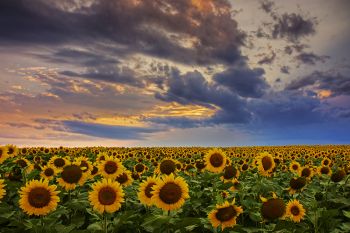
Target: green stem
(105,228)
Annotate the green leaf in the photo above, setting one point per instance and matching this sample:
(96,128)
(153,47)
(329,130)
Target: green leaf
(154,223)
(346,213)
(95,227)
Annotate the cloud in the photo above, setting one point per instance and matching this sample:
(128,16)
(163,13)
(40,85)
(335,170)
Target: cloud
(310,58)
(243,81)
(175,30)
(337,83)
(285,69)
(108,131)
(268,59)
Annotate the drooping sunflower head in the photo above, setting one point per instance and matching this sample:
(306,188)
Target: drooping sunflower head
(324,170)
(225,215)
(2,189)
(338,175)
(266,164)
(297,184)
(295,211)
(273,208)
(215,160)
(106,196)
(71,176)
(38,197)
(111,167)
(145,191)
(170,192)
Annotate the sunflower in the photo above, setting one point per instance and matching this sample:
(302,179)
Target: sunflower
(215,160)
(266,164)
(326,162)
(125,178)
(235,186)
(12,150)
(295,167)
(170,193)
(324,170)
(111,167)
(106,196)
(3,154)
(139,168)
(306,172)
(145,191)
(101,156)
(338,175)
(2,189)
(38,197)
(48,172)
(297,184)
(71,176)
(225,215)
(58,162)
(273,208)
(295,211)
(167,166)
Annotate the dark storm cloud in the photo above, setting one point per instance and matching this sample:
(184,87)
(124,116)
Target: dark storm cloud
(290,26)
(310,58)
(243,81)
(192,88)
(109,73)
(143,27)
(293,26)
(108,131)
(338,83)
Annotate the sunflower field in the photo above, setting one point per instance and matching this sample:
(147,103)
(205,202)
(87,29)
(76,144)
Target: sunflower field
(183,189)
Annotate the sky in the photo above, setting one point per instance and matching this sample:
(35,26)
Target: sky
(174,73)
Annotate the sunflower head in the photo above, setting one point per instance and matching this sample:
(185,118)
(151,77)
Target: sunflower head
(215,160)
(125,178)
(266,164)
(38,197)
(295,211)
(71,176)
(170,192)
(111,167)
(273,208)
(167,166)
(106,196)
(225,215)
(145,191)
(338,175)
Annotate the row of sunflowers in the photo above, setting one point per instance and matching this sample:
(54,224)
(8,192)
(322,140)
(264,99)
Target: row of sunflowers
(183,189)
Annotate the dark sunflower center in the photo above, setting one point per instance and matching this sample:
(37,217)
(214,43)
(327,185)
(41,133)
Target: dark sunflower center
(39,197)
(295,210)
(167,167)
(72,174)
(297,183)
(59,162)
(273,209)
(107,196)
(94,170)
(326,162)
(226,213)
(266,163)
(48,172)
(245,167)
(122,178)
(324,170)
(170,193)
(200,165)
(139,167)
(148,190)
(10,151)
(111,167)
(47,151)
(306,172)
(230,172)
(22,163)
(102,157)
(216,160)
